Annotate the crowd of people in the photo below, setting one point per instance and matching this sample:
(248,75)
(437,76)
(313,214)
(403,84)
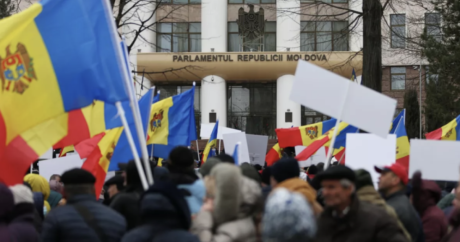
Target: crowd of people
(223,202)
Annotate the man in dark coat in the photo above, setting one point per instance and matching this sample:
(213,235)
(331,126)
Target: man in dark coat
(392,186)
(345,218)
(165,216)
(82,218)
(114,187)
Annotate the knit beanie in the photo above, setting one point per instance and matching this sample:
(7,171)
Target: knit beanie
(285,168)
(208,165)
(181,157)
(250,172)
(22,194)
(363,178)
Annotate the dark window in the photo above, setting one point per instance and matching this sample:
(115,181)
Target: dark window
(235,43)
(179,37)
(324,1)
(398,78)
(433,25)
(324,36)
(398,30)
(252,1)
(181,1)
(310,116)
(252,108)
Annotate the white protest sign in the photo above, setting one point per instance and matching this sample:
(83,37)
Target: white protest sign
(59,165)
(436,159)
(340,98)
(206,130)
(257,146)
(230,140)
(364,151)
(318,157)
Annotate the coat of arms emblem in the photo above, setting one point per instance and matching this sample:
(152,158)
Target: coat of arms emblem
(312,132)
(16,70)
(156,120)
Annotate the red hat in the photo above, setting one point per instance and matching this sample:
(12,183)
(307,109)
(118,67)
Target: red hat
(397,169)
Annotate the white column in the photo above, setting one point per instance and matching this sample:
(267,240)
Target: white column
(283,104)
(356,34)
(214,99)
(214,25)
(288,25)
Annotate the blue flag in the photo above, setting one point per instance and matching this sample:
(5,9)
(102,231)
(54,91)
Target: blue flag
(236,154)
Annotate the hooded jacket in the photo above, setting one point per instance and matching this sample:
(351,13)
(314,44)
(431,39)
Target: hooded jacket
(165,216)
(39,184)
(426,194)
(370,195)
(236,199)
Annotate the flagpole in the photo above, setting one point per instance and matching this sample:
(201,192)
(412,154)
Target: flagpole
(129,136)
(220,144)
(198,151)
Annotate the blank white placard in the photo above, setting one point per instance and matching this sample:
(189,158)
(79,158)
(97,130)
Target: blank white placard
(257,147)
(59,165)
(436,159)
(327,92)
(47,155)
(206,130)
(364,151)
(230,140)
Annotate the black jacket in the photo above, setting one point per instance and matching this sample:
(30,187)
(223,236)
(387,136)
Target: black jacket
(64,224)
(127,204)
(363,222)
(407,215)
(165,216)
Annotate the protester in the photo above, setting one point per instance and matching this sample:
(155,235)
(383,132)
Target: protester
(226,158)
(20,224)
(454,220)
(54,199)
(39,186)
(266,188)
(320,167)
(55,177)
(346,218)
(392,186)
(284,173)
(165,216)
(250,172)
(366,192)
(114,187)
(231,203)
(425,195)
(287,218)
(206,168)
(82,218)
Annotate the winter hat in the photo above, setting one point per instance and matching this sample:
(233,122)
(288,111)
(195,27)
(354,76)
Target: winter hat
(250,172)
(226,158)
(312,170)
(287,218)
(22,194)
(77,176)
(285,168)
(6,202)
(363,178)
(266,173)
(181,157)
(336,173)
(208,165)
(160,174)
(197,193)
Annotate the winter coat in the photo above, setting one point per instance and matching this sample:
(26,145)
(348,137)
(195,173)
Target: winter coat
(127,204)
(300,186)
(165,216)
(370,195)
(406,214)
(194,196)
(454,222)
(446,201)
(236,200)
(16,224)
(65,224)
(54,198)
(426,194)
(363,222)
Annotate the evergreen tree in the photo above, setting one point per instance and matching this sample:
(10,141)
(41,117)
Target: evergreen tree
(411,105)
(442,52)
(6,8)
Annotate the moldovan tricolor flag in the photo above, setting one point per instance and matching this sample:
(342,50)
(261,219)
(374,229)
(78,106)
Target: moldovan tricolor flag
(98,161)
(449,131)
(402,143)
(303,135)
(273,155)
(211,143)
(55,57)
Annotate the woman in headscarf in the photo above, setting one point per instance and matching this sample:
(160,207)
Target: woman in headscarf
(39,185)
(55,197)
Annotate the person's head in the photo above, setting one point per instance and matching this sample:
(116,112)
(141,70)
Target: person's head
(78,182)
(266,174)
(312,170)
(338,186)
(287,218)
(206,168)
(181,158)
(392,178)
(226,158)
(55,177)
(114,185)
(363,179)
(22,194)
(285,168)
(250,172)
(320,167)
(56,186)
(258,167)
(122,168)
(38,184)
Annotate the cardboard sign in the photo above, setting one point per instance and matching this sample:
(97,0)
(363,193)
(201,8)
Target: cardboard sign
(230,140)
(364,151)
(343,99)
(436,159)
(206,130)
(59,165)
(257,147)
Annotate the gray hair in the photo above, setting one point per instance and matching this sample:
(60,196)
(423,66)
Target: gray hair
(347,184)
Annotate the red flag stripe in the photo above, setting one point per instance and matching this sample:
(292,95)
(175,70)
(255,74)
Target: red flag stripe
(17,158)
(435,135)
(86,147)
(77,131)
(312,148)
(289,137)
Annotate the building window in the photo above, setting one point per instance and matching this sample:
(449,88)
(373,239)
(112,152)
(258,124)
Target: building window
(310,116)
(430,76)
(234,39)
(398,78)
(433,25)
(324,1)
(252,1)
(182,1)
(398,30)
(324,36)
(252,108)
(179,37)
